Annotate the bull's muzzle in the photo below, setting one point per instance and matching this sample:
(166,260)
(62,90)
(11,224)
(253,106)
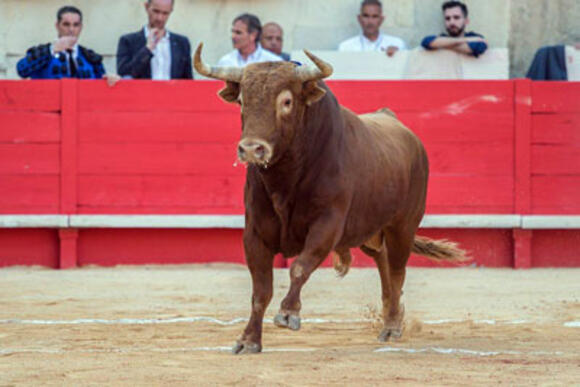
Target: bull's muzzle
(254,151)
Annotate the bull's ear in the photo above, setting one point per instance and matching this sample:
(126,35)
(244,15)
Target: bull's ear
(231,92)
(312,92)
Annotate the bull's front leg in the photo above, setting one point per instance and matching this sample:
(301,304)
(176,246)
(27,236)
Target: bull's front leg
(321,239)
(260,263)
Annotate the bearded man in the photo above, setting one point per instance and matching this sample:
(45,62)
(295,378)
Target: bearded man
(456,39)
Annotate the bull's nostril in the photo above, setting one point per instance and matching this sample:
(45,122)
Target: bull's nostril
(260,151)
(241,150)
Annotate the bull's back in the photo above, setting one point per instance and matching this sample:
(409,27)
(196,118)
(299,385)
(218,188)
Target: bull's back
(392,171)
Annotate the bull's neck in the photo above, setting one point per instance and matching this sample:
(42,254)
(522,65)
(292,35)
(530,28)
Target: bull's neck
(313,150)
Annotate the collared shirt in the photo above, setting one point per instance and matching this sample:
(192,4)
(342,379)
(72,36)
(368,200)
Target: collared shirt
(75,54)
(235,59)
(362,43)
(161,61)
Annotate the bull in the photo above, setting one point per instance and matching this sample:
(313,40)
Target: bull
(321,179)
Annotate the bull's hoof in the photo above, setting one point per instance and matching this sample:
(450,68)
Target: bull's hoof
(245,347)
(287,321)
(390,333)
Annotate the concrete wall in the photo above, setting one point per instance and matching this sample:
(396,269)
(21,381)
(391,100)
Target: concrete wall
(536,23)
(308,24)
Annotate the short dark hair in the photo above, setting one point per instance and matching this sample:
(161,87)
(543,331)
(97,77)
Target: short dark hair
(371,2)
(453,4)
(68,9)
(252,22)
(172,2)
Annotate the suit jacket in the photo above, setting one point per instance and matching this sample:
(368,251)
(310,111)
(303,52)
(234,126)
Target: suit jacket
(549,64)
(134,59)
(40,63)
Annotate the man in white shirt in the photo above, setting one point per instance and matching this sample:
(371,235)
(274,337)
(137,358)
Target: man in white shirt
(246,31)
(371,39)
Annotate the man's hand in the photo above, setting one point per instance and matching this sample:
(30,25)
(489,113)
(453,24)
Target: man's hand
(64,43)
(155,35)
(391,50)
(111,79)
(475,39)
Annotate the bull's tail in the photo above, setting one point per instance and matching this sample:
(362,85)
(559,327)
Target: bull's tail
(439,250)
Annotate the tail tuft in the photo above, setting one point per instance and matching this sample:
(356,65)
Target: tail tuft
(439,250)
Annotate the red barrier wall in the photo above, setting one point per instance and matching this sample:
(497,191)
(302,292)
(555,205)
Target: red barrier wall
(79,147)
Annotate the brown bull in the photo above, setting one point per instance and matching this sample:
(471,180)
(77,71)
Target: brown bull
(321,179)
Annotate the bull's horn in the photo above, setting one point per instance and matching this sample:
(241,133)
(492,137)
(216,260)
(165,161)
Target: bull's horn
(322,69)
(232,74)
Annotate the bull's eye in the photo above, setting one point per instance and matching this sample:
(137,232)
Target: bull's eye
(284,103)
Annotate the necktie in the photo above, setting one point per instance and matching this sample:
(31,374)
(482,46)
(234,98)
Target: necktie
(71,64)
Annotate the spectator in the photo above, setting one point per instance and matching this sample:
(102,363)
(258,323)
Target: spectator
(456,39)
(273,38)
(246,33)
(370,19)
(64,58)
(153,52)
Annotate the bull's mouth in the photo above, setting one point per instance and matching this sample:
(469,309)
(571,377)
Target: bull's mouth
(255,151)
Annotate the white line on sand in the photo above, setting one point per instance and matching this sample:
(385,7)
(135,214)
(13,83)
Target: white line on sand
(459,351)
(437,350)
(10,351)
(149,321)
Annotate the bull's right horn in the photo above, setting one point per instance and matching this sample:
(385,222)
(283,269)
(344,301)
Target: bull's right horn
(322,70)
(232,74)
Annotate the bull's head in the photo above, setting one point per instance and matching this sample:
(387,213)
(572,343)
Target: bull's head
(273,97)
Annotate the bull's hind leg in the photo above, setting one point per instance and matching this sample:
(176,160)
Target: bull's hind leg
(260,263)
(391,257)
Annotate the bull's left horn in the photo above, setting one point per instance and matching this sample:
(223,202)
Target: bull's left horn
(322,70)
(232,74)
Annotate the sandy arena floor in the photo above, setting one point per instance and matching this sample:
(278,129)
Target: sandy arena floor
(175,326)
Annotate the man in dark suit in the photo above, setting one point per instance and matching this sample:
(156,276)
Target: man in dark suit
(153,52)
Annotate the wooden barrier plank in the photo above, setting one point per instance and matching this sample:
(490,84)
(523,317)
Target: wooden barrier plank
(469,127)
(443,97)
(555,194)
(472,195)
(27,127)
(560,128)
(120,246)
(29,194)
(555,97)
(487,247)
(482,159)
(556,159)
(219,159)
(201,194)
(158,159)
(29,159)
(29,247)
(156,127)
(147,96)
(69,145)
(30,96)
(555,248)
(522,143)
